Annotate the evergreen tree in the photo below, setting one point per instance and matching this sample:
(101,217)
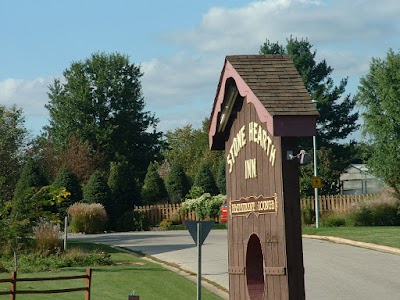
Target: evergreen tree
(221,177)
(124,194)
(31,176)
(205,179)
(68,180)
(177,183)
(337,118)
(97,190)
(153,190)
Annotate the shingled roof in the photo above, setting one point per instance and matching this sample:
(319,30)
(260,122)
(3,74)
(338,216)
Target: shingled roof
(273,85)
(275,82)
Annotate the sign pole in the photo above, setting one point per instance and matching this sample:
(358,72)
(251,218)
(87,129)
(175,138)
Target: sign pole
(199,261)
(316,189)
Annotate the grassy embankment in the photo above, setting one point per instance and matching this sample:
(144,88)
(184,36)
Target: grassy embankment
(128,273)
(385,235)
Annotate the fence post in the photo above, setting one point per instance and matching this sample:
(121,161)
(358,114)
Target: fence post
(88,283)
(13,287)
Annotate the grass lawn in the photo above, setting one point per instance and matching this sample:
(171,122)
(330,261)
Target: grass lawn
(386,235)
(150,280)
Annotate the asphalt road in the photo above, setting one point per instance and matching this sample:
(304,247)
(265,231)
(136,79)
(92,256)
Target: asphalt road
(332,271)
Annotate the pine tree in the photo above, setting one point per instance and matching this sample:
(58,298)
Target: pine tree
(68,180)
(205,179)
(153,190)
(124,193)
(177,183)
(97,190)
(31,176)
(221,177)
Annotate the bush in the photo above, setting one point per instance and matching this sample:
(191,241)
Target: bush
(133,221)
(165,223)
(205,206)
(87,218)
(46,237)
(307,215)
(333,220)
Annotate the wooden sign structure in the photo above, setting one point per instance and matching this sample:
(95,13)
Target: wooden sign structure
(260,109)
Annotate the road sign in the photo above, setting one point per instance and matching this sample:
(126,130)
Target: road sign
(316,182)
(205,227)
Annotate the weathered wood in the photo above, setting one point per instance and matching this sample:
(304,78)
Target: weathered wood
(14,279)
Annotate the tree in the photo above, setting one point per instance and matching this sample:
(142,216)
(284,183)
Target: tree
(337,118)
(205,179)
(124,194)
(189,147)
(379,96)
(12,139)
(97,190)
(221,177)
(153,190)
(68,180)
(101,103)
(31,176)
(177,183)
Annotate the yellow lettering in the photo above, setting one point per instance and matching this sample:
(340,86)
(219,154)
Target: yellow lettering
(250,168)
(229,162)
(250,131)
(273,156)
(255,131)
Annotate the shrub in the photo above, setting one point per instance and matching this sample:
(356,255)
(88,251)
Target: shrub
(165,223)
(333,220)
(205,206)
(87,218)
(133,221)
(46,237)
(307,215)
(205,179)
(153,190)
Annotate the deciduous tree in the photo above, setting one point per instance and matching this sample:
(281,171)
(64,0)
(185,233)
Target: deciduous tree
(379,96)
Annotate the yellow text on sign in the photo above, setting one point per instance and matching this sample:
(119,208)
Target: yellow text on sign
(316,182)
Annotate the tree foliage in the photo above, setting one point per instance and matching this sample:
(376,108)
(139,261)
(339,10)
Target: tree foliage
(221,177)
(189,147)
(205,179)
(68,180)
(12,140)
(177,183)
(96,190)
(379,96)
(337,118)
(125,194)
(101,103)
(31,176)
(153,190)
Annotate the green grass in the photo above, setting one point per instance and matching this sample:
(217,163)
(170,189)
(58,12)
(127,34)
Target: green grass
(148,279)
(386,235)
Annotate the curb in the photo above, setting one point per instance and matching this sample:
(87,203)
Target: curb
(370,246)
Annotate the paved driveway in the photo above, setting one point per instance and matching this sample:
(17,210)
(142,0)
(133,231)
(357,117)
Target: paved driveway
(332,271)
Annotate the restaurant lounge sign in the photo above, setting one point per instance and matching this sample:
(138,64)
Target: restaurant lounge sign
(257,205)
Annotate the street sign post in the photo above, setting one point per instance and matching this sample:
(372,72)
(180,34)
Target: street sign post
(199,231)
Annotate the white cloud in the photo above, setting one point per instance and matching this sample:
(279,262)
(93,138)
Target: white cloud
(30,95)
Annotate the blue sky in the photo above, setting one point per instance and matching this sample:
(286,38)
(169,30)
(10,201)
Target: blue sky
(179,44)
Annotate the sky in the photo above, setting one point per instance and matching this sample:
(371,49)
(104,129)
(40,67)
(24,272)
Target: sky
(180,45)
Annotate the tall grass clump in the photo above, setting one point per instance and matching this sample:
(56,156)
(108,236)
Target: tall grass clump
(87,218)
(46,237)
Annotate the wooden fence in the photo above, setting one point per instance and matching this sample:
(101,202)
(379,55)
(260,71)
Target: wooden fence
(14,291)
(336,203)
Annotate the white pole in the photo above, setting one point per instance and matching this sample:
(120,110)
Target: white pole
(316,189)
(65,232)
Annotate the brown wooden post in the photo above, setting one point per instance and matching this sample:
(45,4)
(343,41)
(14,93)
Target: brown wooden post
(13,285)
(88,283)
(260,109)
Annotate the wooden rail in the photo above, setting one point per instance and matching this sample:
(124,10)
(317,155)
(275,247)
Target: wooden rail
(13,285)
